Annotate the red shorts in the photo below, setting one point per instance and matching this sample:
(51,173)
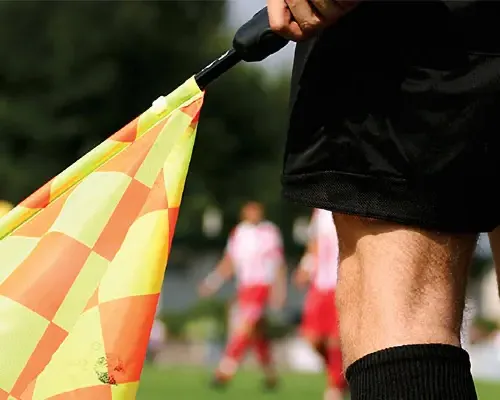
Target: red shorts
(252,303)
(319,318)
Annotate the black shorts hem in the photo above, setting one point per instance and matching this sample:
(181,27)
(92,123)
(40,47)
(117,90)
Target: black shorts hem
(391,200)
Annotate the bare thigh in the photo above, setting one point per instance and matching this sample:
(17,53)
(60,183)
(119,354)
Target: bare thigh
(399,285)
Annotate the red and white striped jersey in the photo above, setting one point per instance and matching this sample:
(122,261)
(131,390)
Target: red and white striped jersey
(325,264)
(256,252)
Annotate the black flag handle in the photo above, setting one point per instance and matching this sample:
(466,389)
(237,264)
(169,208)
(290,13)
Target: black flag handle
(254,41)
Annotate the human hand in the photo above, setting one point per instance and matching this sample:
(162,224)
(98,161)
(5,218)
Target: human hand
(299,19)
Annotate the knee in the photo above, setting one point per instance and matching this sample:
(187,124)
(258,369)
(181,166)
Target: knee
(394,266)
(399,285)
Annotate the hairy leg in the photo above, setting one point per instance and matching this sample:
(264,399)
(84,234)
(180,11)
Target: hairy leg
(399,285)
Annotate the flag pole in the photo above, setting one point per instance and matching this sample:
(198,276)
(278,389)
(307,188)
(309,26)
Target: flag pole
(216,68)
(254,41)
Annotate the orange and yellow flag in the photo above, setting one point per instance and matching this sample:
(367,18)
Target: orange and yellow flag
(82,260)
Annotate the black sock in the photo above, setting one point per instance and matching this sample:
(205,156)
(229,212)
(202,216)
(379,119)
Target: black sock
(416,372)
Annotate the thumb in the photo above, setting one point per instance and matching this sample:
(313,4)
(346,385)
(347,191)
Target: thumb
(281,20)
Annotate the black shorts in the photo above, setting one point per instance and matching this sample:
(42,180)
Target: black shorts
(395,115)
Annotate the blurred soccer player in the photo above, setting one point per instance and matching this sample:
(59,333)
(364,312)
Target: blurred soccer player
(254,256)
(318,268)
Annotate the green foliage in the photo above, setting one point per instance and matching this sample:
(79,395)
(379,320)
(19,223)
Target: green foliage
(480,267)
(208,318)
(175,323)
(279,329)
(485,325)
(72,73)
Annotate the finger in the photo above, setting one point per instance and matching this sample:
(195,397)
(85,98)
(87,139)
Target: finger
(307,19)
(281,20)
(330,10)
(347,5)
(279,15)
(295,32)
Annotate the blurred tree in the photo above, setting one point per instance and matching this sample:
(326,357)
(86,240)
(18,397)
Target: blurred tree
(239,150)
(72,73)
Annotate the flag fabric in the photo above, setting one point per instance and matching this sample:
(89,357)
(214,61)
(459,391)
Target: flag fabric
(5,207)
(82,260)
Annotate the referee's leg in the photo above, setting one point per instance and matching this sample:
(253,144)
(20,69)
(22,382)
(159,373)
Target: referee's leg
(401,297)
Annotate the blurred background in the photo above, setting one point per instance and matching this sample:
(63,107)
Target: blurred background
(72,73)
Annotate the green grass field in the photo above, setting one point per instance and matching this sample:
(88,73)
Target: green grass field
(189,384)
